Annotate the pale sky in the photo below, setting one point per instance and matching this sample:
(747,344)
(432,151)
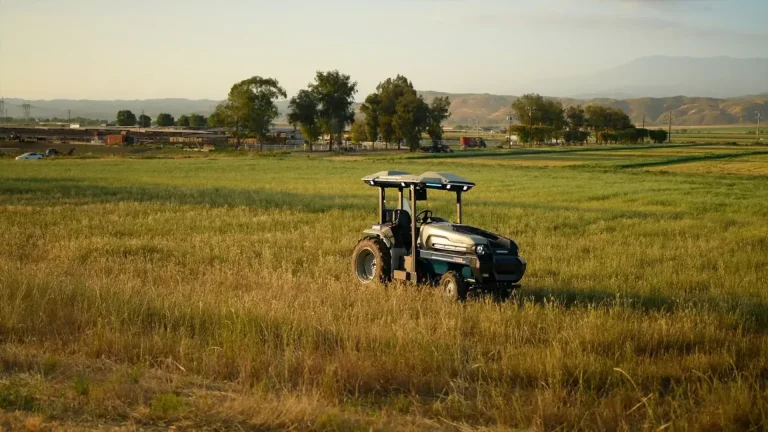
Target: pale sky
(107,49)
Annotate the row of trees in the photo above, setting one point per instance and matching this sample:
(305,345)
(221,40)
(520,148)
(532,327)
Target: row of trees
(395,113)
(544,119)
(127,118)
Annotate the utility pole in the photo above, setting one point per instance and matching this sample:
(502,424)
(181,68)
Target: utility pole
(69,116)
(759,116)
(530,122)
(509,131)
(27,109)
(669,135)
(2,110)
(644,131)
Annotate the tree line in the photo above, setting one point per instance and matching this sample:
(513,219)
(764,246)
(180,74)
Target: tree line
(394,113)
(127,118)
(546,120)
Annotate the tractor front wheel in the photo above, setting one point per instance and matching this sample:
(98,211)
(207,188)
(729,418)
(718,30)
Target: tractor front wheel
(454,286)
(371,261)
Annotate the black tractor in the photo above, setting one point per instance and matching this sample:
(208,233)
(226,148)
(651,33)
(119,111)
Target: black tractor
(428,249)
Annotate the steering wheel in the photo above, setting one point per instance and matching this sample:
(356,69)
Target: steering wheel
(424,217)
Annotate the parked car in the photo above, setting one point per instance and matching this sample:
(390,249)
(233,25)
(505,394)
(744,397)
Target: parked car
(30,156)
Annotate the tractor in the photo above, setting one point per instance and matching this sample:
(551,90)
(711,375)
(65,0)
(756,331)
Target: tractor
(427,249)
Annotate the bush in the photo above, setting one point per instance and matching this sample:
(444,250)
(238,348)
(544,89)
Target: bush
(15,397)
(658,136)
(166,405)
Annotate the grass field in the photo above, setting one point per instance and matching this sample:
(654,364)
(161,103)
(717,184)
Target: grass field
(215,292)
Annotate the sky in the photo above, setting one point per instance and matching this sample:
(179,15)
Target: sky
(140,49)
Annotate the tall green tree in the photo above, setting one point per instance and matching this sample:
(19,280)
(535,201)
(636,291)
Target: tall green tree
(165,120)
(605,120)
(197,121)
(390,92)
(145,121)
(126,118)
(370,109)
(184,120)
(411,119)
(439,111)
(534,110)
(250,108)
(304,112)
(335,94)
(575,122)
(358,131)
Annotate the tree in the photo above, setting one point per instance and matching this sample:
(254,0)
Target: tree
(197,121)
(335,94)
(534,110)
(411,119)
(629,136)
(126,118)
(390,92)
(575,122)
(184,121)
(658,136)
(359,132)
(145,121)
(165,120)
(250,108)
(371,110)
(304,111)
(439,111)
(603,120)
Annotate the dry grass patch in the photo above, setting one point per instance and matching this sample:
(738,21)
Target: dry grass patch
(217,294)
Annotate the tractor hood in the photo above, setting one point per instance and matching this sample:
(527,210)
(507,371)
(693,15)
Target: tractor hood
(450,237)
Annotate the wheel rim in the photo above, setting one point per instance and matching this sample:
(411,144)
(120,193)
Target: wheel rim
(365,265)
(449,287)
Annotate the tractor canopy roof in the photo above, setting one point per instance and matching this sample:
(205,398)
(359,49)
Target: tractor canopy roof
(428,180)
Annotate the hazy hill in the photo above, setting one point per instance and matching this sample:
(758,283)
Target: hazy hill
(660,76)
(467,109)
(107,109)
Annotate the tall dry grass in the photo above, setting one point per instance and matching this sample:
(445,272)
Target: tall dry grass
(643,307)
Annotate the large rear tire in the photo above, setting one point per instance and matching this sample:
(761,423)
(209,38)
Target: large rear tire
(372,261)
(454,286)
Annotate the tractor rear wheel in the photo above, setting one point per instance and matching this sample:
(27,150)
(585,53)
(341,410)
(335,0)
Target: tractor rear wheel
(454,286)
(372,261)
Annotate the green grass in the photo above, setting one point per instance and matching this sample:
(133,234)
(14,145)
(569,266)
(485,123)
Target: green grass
(217,292)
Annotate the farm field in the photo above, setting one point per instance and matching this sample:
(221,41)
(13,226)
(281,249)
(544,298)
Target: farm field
(216,292)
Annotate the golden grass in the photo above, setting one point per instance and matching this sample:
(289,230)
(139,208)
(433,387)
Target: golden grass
(753,166)
(522,161)
(226,283)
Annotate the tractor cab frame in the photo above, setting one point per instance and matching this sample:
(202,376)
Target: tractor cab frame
(418,187)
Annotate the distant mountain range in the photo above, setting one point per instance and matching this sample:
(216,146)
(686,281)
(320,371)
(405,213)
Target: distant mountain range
(469,109)
(107,109)
(658,76)
(647,87)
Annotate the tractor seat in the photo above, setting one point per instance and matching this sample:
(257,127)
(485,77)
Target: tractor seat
(401,228)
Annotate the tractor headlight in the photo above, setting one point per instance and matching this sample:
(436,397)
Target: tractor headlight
(481,249)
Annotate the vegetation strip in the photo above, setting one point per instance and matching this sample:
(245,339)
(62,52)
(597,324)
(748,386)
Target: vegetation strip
(526,152)
(690,159)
